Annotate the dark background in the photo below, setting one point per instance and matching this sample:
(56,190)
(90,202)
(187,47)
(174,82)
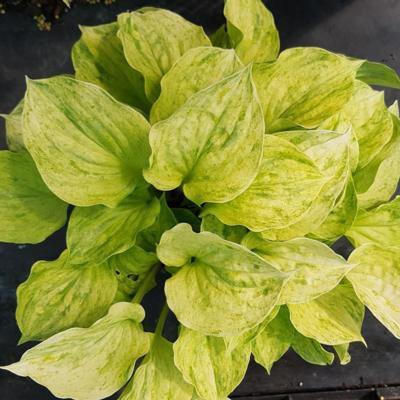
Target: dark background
(361,28)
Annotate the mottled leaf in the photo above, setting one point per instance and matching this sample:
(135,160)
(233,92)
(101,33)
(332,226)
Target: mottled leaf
(235,233)
(14,131)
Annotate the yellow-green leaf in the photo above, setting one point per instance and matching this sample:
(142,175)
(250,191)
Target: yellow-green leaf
(333,318)
(14,132)
(252,31)
(376,280)
(89,363)
(315,268)
(208,365)
(29,212)
(212,145)
(220,287)
(158,377)
(89,148)
(153,40)
(380,225)
(305,86)
(276,198)
(342,350)
(59,295)
(98,232)
(197,69)
(235,233)
(98,57)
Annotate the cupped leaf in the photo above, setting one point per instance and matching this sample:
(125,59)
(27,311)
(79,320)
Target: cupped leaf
(197,69)
(378,74)
(304,86)
(333,318)
(377,181)
(311,351)
(342,350)
(59,295)
(220,288)
(212,145)
(315,268)
(158,377)
(380,225)
(29,212)
(376,280)
(89,363)
(252,31)
(98,232)
(371,121)
(330,151)
(89,148)
(208,365)
(98,57)
(153,40)
(277,197)
(209,223)
(14,132)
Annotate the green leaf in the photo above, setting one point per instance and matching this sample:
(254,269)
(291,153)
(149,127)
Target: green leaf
(377,181)
(311,351)
(305,86)
(378,74)
(371,120)
(197,69)
(153,40)
(342,216)
(88,363)
(212,145)
(252,31)
(59,295)
(220,38)
(380,225)
(14,132)
(333,318)
(315,268)
(220,287)
(209,223)
(208,365)
(274,341)
(158,377)
(330,152)
(343,353)
(275,198)
(376,281)
(98,232)
(98,57)
(29,212)
(89,148)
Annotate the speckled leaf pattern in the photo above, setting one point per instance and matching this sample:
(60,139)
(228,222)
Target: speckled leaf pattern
(330,151)
(370,119)
(235,233)
(275,199)
(305,86)
(380,225)
(98,232)
(98,57)
(153,40)
(59,295)
(220,287)
(376,281)
(158,377)
(315,269)
(89,363)
(197,69)
(208,365)
(89,148)
(29,212)
(14,132)
(333,318)
(212,145)
(377,181)
(251,29)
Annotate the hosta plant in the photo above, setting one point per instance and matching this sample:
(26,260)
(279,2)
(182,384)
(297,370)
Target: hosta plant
(218,167)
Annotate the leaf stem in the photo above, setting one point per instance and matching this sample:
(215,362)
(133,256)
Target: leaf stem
(146,284)
(161,320)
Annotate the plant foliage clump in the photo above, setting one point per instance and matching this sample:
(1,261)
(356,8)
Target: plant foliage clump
(225,163)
